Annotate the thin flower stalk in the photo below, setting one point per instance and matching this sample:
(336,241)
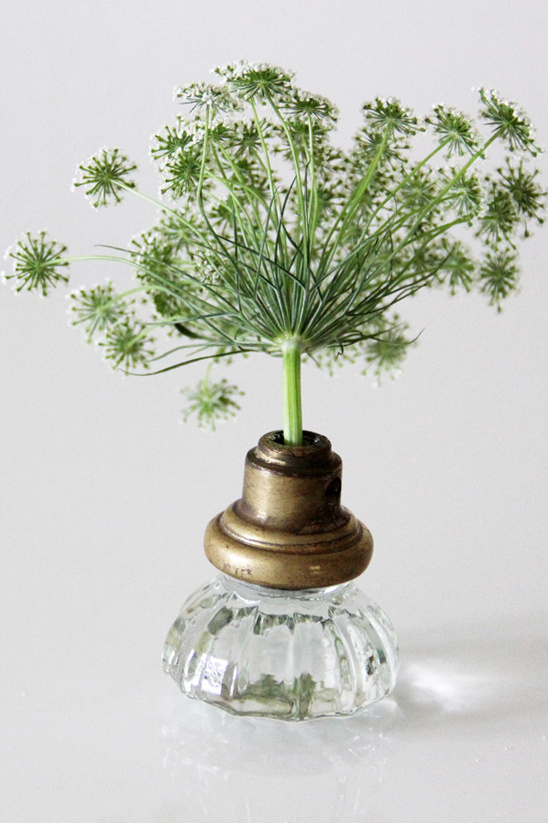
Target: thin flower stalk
(292,396)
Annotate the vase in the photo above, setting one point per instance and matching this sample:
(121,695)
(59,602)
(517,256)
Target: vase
(282,631)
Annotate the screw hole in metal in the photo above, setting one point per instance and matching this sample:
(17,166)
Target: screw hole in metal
(334,488)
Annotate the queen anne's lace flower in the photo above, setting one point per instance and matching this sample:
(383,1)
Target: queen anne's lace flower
(171,140)
(465,194)
(257,80)
(508,122)
(305,105)
(387,353)
(38,263)
(498,276)
(389,114)
(98,308)
(458,266)
(458,132)
(211,402)
(206,96)
(271,239)
(523,188)
(105,175)
(128,344)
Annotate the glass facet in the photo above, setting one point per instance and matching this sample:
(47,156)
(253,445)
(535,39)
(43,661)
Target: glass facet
(292,655)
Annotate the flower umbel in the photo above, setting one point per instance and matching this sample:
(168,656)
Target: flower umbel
(37,263)
(389,115)
(457,131)
(202,96)
(211,402)
(509,122)
(498,276)
(257,80)
(527,195)
(305,105)
(105,175)
(98,308)
(275,240)
(386,354)
(128,345)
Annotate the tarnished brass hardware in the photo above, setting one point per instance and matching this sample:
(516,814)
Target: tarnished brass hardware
(289,530)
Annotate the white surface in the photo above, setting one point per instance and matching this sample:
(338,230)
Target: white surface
(104,497)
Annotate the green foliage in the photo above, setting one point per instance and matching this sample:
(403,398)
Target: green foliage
(270,236)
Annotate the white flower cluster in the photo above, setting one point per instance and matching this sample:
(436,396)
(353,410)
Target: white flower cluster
(209,97)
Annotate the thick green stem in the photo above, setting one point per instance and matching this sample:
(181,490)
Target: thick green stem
(293,417)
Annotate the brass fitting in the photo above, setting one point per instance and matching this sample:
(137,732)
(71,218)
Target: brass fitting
(288,530)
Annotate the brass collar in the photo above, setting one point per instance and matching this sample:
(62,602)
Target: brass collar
(289,530)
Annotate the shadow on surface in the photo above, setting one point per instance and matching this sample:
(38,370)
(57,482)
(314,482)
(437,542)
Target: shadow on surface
(458,680)
(484,673)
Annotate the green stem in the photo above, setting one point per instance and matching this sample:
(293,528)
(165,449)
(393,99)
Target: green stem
(292,399)
(273,190)
(293,150)
(338,228)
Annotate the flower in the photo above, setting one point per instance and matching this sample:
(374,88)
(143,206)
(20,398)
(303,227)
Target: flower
(170,140)
(260,80)
(387,352)
(99,308)
(207,96)
(128,345)
(306,105)
(459,267)
(509,122)
(105,175)
(388,114)
(37,263)
(211,402)
(500,218)
(458,133)
(272,233)
(465,194)
(182,171)
(528,197)
(498,276)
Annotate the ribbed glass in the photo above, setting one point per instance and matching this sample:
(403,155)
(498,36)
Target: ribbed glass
(293,655)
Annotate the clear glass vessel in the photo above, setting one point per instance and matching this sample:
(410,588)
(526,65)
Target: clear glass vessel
(292,655)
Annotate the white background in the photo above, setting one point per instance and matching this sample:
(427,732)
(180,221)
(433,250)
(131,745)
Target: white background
(104,496)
